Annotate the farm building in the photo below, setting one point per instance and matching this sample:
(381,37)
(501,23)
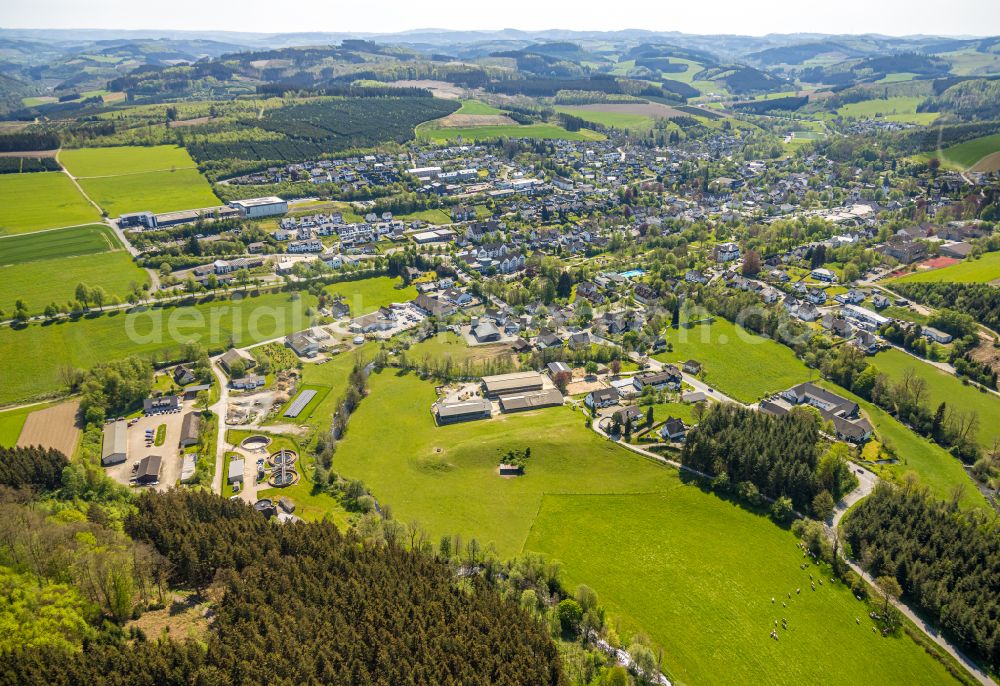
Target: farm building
(235,473)
(232,356)
(114,450)
(190,428)
(531,401)
(511,470)
(477,408)
(509,384)
(188,467)
(148,473)
(260,207)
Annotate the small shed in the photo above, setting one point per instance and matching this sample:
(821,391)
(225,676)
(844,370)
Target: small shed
(235,474)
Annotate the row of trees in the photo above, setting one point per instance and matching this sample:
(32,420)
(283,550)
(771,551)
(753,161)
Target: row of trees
(947,562)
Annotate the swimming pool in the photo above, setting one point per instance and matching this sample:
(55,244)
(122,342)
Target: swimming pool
(632,273)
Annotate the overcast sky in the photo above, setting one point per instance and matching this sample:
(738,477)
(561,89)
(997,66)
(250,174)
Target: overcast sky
(749,17)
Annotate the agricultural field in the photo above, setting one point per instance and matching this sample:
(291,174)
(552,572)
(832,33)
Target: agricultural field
(533,131)
(943,387)
(697,574)
(54,427)
(637,116)
(166,191)
(694,572)
(89,162)
(41,200)
(738,363)
(900,108)
(477,107)
(938,470)
(160,178)
(367,295)
(12,421)
(50,245)
(46,281)
(31,358)
(982,270)
(979,154)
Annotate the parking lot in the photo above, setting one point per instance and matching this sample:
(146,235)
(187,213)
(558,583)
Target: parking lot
(139,447)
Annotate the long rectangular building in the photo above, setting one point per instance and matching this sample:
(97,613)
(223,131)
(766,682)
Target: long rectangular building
(512,384)
(477,408)
(531,401)
(252,208)
(114,450)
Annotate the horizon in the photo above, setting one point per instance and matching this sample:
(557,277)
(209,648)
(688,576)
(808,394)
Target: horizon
(897,19)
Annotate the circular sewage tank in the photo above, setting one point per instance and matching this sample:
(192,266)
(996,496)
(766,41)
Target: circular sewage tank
(283,457)
(255,443)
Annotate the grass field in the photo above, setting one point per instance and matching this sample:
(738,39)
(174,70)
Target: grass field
(938,470)
(368,295)
(45,281)
(434,216)
(618,120)
(161,191)
(697,574)
(533,131)
(738,363)
(476,107)
(31,358)
(943,387)
(982,270)
(967,154)
(898,108)
(307,411)
(41,200)
(692,571)
(333,376)
(130,159)
(447,345)
(49,245)
(12,421)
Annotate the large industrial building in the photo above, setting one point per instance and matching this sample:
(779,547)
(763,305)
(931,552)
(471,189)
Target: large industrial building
(253,208)
(115,447)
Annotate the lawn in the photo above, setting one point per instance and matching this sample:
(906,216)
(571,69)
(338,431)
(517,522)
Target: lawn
(367,295)
(967,154)
(534,131)
(938,470)
(737,362)
(31,358)
(307,411)
(943,387)
(159,191)
(331,375)
(129,159)
(694,572)
(433,216)
(42,282)
(982,270)
(41,200)
(697,574)
(48,245)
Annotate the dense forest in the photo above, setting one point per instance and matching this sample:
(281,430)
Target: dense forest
(305,604)
(979,300)
(35,468)
(779,456)
(947,562)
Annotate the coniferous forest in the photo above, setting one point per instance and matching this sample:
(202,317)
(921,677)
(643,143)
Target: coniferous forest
(304,604)
(947,562)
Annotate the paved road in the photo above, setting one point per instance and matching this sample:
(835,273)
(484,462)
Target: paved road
(866,484)
(695,383)
(219,408)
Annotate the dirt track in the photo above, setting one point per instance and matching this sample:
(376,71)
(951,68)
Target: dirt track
(54,427)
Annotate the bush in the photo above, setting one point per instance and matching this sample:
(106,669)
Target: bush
(570,614)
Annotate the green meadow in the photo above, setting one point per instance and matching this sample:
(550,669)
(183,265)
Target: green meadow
(981,270)
(901,108)
(31,358)
(41,200)
(618,120)
(128,159)
(967,154)
(533,131)
(692,571)
(159,191)
(12,421)
(49,245)
(738,363)
(939,470)
(42,282)
(476,107)
(945,388)
(367,295)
